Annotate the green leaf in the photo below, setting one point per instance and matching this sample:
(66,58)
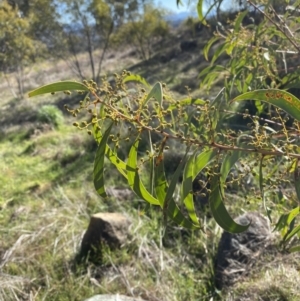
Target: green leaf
(215,113)
(175,180)
(156,92)
(210,79)
(220,212)
(134,179)
(285,220)
(110,154)
(99,164)
(220,49)
(200,12)
(297,179)
(161,185)
(97,133)
(218,100)
(136,78)
(261,177)
(115,160)
(229,160)
(239,19)
(187,102)
(203,160)
(208,46)
(210,69)
(292,233)
(187,188)
(176,215)
(294,249)
(279,98)
(58,87)
(170,207)
(261,187)
(259,106)
(196,164)
(151,165)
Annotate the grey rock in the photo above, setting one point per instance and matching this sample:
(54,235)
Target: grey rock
(238,252)
(112,298)
(109,228)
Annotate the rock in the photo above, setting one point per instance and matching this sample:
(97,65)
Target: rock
(111,228)
(113,298)
(237,253)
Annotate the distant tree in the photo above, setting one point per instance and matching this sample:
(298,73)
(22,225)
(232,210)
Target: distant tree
(142,30)
(17,48)
(92,25)
(44,23)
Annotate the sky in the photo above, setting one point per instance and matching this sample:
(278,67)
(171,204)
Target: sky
(171,5)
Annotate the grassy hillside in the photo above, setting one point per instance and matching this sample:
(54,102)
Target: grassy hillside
(47,197)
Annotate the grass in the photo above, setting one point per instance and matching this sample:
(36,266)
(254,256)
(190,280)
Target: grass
(47,198)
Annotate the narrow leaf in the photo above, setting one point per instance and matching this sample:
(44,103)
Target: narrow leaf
(156,92)
(210,69)
(110,154)
(175,179)
(297,179)
(292,233)
(208,46)
(58,87)
(203,160)
(134,179)
(261,187)
(220,212)
(176,215)
(239,19)
(187,188)
(136,78)
(294,249)
(187,102)
(215,113)
(219,50)
(99,163)
(286,219)
(115,160)
(152,166)
(161,185)
(279,98)
(170,207)
(228,162)
(200,12)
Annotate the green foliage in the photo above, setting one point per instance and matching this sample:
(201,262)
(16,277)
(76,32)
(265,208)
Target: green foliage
(45,27)
(16,44)
(18,49)
(207,145)
(51,115)
(250,51)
